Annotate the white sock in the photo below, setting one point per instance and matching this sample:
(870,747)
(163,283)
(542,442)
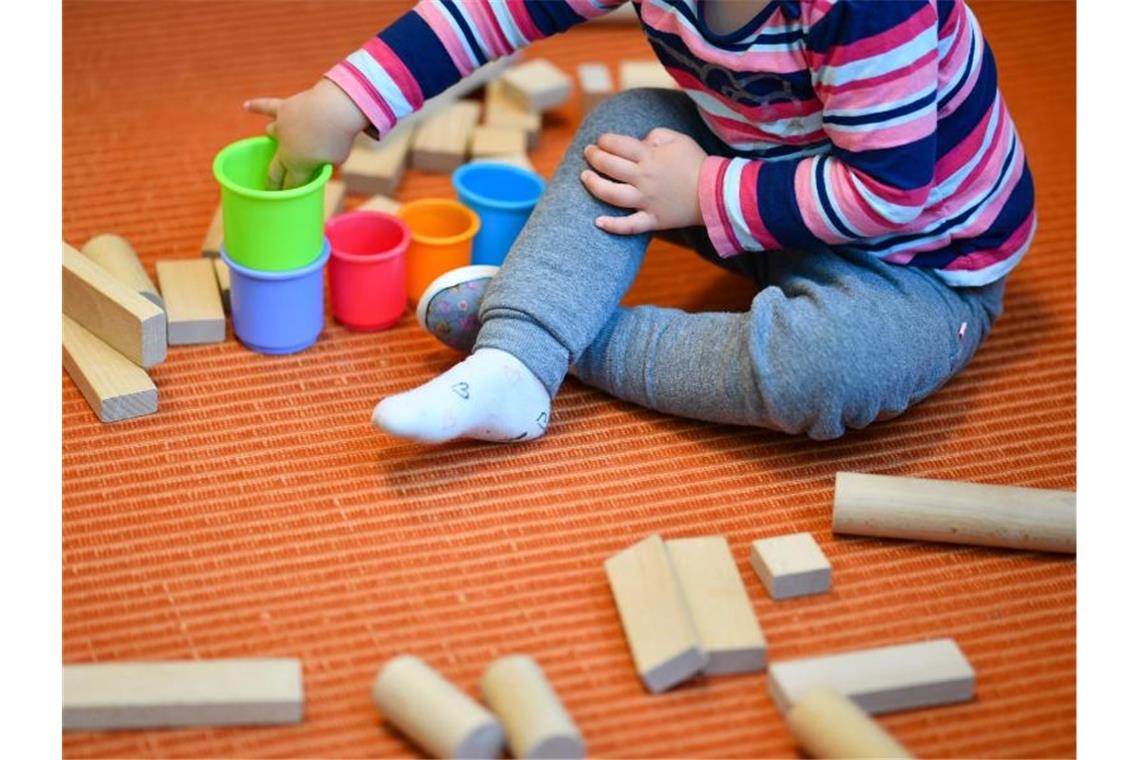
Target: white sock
(489,396)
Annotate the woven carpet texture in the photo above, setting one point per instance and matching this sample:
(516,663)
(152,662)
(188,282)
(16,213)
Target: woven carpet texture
(259,514)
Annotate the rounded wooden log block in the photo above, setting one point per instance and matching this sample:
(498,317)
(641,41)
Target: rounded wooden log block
(433,712)
(537,724)
(829,725)
(115,254)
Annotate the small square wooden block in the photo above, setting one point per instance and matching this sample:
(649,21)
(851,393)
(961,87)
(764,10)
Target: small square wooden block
(791,565)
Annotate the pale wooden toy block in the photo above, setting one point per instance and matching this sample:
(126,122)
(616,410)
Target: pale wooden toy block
(376,168)
(536,723)
(538,84)
(116,255)
(501,110)
(497,141)
(135,695)
(222,271)
(828,724)
(1036,519)
(193,304)
(880,680)
(212,243)
(791,565)
(719,605)
(380,203)
(662,637)
(116,314)
(519,160)
(335,190)
(595,83)
(647,73)
(433,712)
(440,144)
(114,386)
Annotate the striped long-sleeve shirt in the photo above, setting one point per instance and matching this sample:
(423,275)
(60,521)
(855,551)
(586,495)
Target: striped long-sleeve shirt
(876,126)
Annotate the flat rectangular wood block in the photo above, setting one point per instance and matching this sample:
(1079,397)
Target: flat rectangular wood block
(497,141)
(520,160)
(376,168)
(115,387)
(662,638)
(193,302)
(502,110)
(380,203)
(212,243)
(719,604)
(791,565)
(440,144)
(134,695)
(116,314)
(647,73)
(880,680)
(595,83)
(538,84)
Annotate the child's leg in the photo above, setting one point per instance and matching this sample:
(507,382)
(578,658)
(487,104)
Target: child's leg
(834,342)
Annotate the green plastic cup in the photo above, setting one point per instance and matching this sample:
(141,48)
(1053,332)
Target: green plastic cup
(268,230)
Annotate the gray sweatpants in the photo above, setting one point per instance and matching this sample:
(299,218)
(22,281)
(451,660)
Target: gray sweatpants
(833,340)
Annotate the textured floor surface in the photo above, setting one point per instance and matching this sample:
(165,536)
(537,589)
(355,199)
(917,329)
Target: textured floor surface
(259,514)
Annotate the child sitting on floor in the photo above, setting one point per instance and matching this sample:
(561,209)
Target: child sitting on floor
(854,159)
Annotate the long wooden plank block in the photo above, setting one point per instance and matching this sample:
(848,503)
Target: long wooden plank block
(114,312)
(194,309)
(114,386)
(440,144)
(956,512)
(117,256)
(880,680)
(719,604)
(133,695)
(828,724)
(662,638)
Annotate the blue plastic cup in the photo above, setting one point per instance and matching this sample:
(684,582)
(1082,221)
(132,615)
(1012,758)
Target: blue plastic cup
(278,312)
(503,196)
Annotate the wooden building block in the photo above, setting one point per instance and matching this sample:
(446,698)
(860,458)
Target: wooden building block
(648,73)
(536,723)
(520,160)
(114,386)
(132,695)
(1036,519)
(222,271)
(376,168)
(791,565)
(662,638)
(440,144)
(719,605)
(433,712)
(335,190)
(116,314)
(212,243)
(194,310)
(497,141)
(538,84)
(116,255)
(380,203)
(501,110)
(595,84)
(880,680)
(828,724)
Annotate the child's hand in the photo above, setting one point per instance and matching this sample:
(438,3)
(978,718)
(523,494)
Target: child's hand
(312,128)
(657,177)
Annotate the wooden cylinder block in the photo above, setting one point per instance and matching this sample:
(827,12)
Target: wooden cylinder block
(962,513)
(537,724)
(827,724)
(116,255)
(435,713)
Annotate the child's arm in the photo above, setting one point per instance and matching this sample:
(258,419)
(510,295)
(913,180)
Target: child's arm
(421,54)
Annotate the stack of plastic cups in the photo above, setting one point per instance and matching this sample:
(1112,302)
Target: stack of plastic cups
(275,249)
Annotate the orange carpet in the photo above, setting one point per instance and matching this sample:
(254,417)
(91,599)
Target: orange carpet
(258,513)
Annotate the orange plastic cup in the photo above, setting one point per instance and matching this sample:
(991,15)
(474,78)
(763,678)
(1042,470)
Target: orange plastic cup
(442,231)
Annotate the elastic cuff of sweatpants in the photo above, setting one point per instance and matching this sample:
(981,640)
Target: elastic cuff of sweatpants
(531,344)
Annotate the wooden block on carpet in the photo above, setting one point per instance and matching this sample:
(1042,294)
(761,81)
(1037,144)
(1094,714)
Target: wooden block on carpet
(116,314)
(440,144)
(335,190)
(718,604)
(116,255)
(380,203)
(212,243)
(138,695)
(662,637)
(520,160)
(376,168)
(595,84)
(222,271)
(828,724)
(538,84)
(880,680)
(791,565)
(501,110)
(193,303)
(648,73)
(497,141)
(115,387)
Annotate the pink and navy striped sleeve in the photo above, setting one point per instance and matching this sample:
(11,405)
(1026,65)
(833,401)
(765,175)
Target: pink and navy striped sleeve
(874,68)
(439,42)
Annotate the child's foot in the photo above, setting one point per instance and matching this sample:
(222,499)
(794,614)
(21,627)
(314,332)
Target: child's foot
(449,308)
(489,396)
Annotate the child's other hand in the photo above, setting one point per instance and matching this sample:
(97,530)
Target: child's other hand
(658,177)
(312,128)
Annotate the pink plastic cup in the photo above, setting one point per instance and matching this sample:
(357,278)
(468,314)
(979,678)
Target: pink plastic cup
(367,270)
